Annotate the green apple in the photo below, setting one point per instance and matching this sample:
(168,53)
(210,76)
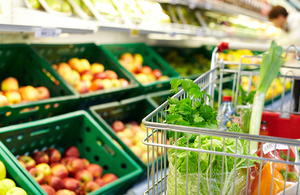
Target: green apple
(35,4)
(3,189)
(8,183)
(16,191)
(2,171)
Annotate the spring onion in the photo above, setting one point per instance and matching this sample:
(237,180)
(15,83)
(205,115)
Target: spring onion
(270,65)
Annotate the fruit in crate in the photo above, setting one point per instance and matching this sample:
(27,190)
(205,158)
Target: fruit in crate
(144,74)
(16,191)
(132,135)
(65,173)
(85,77)
(13,94)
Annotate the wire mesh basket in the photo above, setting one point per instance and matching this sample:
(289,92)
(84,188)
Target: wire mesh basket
(204,161)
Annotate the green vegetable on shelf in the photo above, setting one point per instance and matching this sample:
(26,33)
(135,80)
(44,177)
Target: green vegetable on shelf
(269,68)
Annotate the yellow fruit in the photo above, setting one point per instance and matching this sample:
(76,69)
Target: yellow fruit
(2,171)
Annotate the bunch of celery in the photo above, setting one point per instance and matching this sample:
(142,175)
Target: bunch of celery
(269,68)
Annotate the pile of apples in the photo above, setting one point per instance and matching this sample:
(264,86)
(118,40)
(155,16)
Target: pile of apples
(132,135)
(11,93)
(144,74)
(8,186)
(85,77)
(70,175)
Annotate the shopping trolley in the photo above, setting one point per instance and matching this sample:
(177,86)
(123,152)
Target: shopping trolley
(206,161)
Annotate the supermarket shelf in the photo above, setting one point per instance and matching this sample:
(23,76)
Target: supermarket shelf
(32,29)
(218,6)
(26,20)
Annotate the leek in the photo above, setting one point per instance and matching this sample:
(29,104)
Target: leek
(270,65)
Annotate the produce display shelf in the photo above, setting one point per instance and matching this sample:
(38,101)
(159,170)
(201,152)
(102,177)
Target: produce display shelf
(127,110)
(73,129)
(30,69)
(150,58)
(55,54)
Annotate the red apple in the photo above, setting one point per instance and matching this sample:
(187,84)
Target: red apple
(65,160)
(45,168)
(157,73)
(43,93)
(72,184)
(74,63)
(65,192)
(82,87)
(75,165)
(146,70)
(101,75)
(100,182)
(123,82)
(109,177)
(95,170)
(83,176)
(63,68)
(9,84)
(72,152)
(29,93)
(86,162)
(48,189)
(127,57)
(37,175)
(55,182)
(118,126)
(90,186)
(40,157)
(55,163)
(97,85)
(53,154)
(3,101)
(111,74)
(1,93)
(87,75)
(97,68)
(60,171)
(28,161)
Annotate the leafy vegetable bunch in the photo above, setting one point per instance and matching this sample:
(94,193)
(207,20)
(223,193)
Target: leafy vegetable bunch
(191,111)
(200,168)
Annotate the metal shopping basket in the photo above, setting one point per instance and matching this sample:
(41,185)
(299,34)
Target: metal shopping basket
(206,164)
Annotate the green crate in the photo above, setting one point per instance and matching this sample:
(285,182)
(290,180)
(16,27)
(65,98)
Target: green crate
(21,62)
(78,129)
(181,56)
(151,58)
(159,98)
(13,172)
(55,54)
(133,109)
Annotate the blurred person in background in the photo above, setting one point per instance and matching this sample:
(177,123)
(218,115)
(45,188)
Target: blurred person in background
(289,23)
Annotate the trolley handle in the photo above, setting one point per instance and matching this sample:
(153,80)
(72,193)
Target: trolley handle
(251,46)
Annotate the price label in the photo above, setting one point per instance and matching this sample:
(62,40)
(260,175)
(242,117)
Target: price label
(200,32)
(134,32)
(173,34)
(47,32)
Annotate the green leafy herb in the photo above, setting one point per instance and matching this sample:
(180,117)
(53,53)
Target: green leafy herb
(187,112)
(246,98)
